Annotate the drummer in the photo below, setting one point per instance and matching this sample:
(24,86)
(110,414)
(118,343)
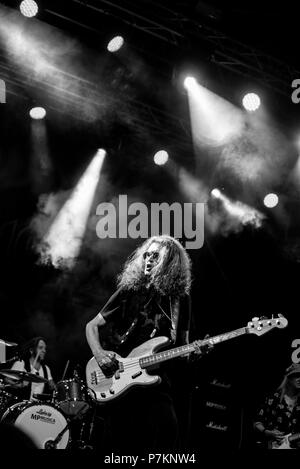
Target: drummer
(34,362)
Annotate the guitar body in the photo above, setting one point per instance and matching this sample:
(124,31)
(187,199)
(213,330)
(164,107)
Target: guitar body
(284,444)
(130,372)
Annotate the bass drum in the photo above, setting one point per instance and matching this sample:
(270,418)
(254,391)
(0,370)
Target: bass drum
(41,422)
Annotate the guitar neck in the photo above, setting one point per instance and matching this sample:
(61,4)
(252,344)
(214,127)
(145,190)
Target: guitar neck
(185,349)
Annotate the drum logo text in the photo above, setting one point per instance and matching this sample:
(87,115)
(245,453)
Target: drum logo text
(43,415)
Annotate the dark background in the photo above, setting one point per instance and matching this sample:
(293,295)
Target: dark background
(141,107)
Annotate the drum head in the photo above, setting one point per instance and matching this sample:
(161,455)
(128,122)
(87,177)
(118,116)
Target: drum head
(41,422)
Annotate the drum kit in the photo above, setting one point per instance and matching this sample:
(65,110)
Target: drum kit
(61,420)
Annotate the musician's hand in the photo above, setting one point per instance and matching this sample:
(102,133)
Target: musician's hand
(202,349)
(274,435)
(107,362)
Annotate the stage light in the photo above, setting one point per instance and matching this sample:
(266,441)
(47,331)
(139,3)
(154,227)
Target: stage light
(37,113)
(189,82)
(251,102)
(115,44)
(161,157)
(271,200)
(29,8)
(216,193)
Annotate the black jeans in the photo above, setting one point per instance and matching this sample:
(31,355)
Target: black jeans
(144,420)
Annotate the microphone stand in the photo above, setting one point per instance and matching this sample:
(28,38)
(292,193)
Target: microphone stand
(11,360)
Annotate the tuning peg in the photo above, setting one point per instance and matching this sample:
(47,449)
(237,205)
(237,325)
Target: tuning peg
(255,319)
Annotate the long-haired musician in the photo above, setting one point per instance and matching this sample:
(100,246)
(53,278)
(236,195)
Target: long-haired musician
(152,299)
(278,420)
(33,361)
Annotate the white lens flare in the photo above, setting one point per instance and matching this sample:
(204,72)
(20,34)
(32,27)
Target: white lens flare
(271,200)
(216,193)
(37,113)
(29,8)
(189,82)
(115,44)
(161,157)
(251,102)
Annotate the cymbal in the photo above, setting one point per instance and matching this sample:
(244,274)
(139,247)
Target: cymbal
(8,344)
(23,376)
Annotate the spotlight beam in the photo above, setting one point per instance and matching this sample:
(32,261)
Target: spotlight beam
(61,244)
(214,121)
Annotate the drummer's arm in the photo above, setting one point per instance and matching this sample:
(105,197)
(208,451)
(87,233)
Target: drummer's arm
(52,385)
(51,382)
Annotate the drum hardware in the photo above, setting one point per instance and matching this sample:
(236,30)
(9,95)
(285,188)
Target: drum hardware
(52,444)
(11,360)
(82,443)
(8,344)
(6,400)
(81,436)
(43,397)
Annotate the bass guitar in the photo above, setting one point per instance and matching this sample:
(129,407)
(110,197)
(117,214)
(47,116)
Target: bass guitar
(133,369)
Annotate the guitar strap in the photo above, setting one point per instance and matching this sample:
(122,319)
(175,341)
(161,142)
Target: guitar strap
(172,316)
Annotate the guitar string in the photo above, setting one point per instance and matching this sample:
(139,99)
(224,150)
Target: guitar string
(135,362)
(132,364)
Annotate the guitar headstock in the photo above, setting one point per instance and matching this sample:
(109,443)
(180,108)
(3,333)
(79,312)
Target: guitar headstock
(261,326)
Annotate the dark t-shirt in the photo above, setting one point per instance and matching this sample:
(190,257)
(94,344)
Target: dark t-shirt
(131,319)
(135,317)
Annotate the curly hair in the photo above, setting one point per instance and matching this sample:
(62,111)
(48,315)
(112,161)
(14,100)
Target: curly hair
(171,276)
(30,346)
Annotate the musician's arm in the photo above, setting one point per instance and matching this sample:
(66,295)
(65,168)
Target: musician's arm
(92,336)
(51,382)
(267,434)
(104,358)
(259,427)
(184,331)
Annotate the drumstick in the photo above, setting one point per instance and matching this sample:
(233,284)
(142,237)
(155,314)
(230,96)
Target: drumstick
(35,360)
(65,370)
